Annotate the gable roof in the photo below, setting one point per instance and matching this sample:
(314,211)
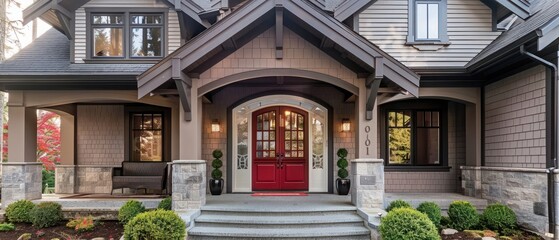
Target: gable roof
(49,57)
(516,36)
(358,49)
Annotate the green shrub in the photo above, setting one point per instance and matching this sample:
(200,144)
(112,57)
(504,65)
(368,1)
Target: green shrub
(129,210)
(433,211)
(165,204)
(216,164)
(397,204)
(409,224)
(5,227)
(342,163)
(46,214)
(155,225)
(498,217)
(462,215)
(19,211)
(445,221)
(48,179)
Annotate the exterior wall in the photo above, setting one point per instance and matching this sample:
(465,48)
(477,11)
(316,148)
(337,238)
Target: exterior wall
(425,182)
(230,95)
(385,23)
(94,179)
(515,121)
(80,44)
(524,190)
(100,130)
(260,54)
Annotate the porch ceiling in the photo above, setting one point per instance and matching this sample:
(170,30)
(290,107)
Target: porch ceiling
(305,19)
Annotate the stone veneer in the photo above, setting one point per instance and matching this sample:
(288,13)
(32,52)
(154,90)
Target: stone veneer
(524,190)
(367,183)
(65,179)
(189,184)
(21,181)
(94,178)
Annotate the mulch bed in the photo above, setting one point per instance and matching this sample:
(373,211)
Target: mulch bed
(467,236)
(106,229)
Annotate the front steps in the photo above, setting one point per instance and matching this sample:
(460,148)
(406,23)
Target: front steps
(282,223)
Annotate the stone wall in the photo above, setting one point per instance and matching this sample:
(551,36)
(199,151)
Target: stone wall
(524,190)
(515,120)
(21,181)
(100,134)
(94,178)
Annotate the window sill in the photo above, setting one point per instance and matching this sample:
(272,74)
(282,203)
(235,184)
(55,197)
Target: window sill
(417,168)
(428,46)
(117,61)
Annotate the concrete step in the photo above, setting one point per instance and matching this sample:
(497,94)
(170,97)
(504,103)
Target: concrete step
(278,233)
(232,218)
(273,213)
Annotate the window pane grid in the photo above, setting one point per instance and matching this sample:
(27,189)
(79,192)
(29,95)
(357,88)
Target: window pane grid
(147,134)
(427,21)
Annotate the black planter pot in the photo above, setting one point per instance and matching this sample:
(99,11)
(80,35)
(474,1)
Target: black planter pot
(343,186)
(216,186)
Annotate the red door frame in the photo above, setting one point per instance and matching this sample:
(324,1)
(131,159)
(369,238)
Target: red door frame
(280,172)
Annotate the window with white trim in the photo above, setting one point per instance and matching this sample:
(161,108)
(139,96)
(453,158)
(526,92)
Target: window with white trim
(427,22)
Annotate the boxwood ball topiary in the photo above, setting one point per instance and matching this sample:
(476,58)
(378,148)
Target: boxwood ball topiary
(217,174)
(342,173)
(46,214)
(342,152)
(498,217)
(129,210)
(433,211)
(19,211)
(342,163)
(155,225)
(463,215)
(397,204)
(409,224)
(217,153)
(217,163)
(165,204)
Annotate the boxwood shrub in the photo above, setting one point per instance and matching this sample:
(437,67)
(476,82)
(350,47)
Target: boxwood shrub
(463,215)
(165,204)
(19,211)
(498,217)
(155,225)
(46,214)
(129,210)
(397,204)
(409,224)
(433,211)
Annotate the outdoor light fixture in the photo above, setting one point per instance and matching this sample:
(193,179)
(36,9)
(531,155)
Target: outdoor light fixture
(346,125)
(215,126)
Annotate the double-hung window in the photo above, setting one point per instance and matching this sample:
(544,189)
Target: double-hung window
(127,35)
(427,21)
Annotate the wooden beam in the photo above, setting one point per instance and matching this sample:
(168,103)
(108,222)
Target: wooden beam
(279,31)
(184,88)
(373,84)
(65,24)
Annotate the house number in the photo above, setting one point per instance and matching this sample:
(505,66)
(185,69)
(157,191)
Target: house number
(367,142)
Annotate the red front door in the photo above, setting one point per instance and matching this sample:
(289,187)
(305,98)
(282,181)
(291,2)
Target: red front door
(279,149)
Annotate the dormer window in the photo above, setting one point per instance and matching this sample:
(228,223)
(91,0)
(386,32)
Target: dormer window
(126,35)
(427,23)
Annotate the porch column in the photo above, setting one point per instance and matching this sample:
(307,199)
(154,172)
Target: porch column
(66,171)
(189,184)
(21,175)
(367,171)
(191,131)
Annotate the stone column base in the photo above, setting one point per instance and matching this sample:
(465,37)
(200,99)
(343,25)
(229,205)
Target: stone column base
(189,184)
(367,183)
(471,181)
(65,179)
(21,180)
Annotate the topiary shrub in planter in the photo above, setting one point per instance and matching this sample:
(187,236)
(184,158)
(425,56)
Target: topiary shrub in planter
(433,211)
(165,204)
(129,210)
(155,225)
(19,211)
(463,215)
(342,183)
(397,204)
(46,214)
(216,183)
(407,223)
(498,217)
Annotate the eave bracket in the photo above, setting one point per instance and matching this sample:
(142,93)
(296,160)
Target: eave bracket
(184,87)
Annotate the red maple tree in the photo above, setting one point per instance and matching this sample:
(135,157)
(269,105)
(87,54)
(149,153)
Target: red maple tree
(48,139)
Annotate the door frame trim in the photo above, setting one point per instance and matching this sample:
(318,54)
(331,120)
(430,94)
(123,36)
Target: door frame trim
(330,129)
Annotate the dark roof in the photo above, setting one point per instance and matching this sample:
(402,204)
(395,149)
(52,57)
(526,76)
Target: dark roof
(518,33)
(49,54)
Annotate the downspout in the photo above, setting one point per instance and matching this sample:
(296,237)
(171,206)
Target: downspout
(551,163)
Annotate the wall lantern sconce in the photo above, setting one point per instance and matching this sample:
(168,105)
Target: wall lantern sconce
(215,126)
(346,125)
